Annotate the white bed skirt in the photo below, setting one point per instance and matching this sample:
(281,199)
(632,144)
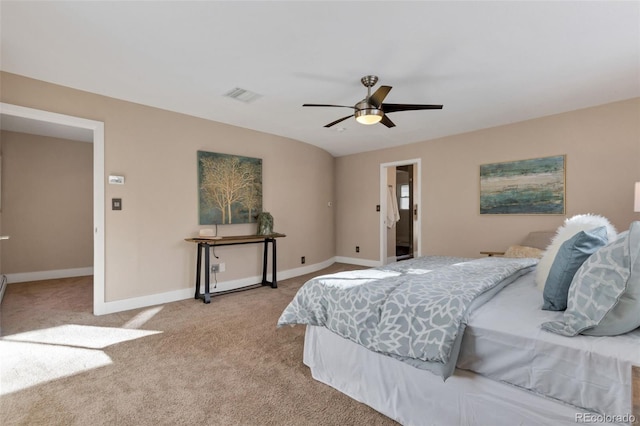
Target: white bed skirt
(416,397)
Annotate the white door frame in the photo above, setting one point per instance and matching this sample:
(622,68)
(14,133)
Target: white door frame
(417,192)
(97,127)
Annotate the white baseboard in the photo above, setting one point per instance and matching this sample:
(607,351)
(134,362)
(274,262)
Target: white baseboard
(143,302)
(48,275)
(360,262)
(183,294)
(306,269)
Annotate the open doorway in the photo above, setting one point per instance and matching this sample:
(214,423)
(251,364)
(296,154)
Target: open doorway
(46,119)
(400,237)
(404,201)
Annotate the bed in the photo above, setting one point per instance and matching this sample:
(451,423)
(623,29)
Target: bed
(501,366)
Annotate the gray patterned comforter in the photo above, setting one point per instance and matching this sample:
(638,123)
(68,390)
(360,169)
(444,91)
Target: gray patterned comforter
(415,310)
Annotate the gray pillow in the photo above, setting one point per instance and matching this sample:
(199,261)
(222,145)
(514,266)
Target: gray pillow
(604,297)
(570,257)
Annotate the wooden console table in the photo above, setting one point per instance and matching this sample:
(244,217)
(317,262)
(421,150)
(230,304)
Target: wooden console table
(205,243)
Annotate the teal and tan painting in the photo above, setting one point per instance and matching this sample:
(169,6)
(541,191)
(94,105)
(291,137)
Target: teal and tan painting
(230,188)
(535,186)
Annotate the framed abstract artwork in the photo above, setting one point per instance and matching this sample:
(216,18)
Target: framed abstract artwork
(229,188)
(534,186)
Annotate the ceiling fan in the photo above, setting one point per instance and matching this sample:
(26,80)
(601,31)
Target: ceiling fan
(372,110)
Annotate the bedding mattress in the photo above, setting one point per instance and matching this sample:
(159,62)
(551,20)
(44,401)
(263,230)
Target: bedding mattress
(414,310)
(415,397)
(503,341)
(509,371)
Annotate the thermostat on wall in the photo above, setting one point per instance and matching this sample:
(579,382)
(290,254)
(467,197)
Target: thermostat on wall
(116,180)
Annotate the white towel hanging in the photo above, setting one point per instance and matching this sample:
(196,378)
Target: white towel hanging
(393,215)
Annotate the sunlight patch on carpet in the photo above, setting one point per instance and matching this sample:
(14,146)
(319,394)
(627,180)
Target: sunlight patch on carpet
(40,356)
(28,364)
(141,319)
(83,336)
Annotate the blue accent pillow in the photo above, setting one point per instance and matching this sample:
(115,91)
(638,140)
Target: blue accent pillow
(570,257)
(604,297)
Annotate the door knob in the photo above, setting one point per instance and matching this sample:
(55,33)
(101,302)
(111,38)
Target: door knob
(4,237)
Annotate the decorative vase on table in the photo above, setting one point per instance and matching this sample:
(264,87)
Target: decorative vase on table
(265,223)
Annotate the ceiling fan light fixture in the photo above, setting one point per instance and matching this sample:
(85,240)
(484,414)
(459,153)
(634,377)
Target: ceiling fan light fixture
(371,110)
(369,116)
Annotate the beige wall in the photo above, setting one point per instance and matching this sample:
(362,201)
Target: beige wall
(602,147)
(47,203)
(156,152)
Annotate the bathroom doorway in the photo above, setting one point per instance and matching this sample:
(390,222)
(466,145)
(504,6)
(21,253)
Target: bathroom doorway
(400,220)
(404,225)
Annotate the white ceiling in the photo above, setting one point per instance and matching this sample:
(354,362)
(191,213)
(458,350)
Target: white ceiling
(36,127)
(488,63)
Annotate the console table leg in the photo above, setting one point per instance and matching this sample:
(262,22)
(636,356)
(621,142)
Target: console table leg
(274,280)
(207,276)
(264,262)
(198,267)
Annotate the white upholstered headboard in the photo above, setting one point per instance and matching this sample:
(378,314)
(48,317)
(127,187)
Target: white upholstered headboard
(538,239)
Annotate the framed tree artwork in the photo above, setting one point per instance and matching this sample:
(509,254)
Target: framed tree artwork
(534,186)
(229,188)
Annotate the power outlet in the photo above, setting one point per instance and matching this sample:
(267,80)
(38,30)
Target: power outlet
(218,267)
(303,260)
(357,249)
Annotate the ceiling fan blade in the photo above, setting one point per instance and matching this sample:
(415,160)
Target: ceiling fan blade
(339,120)
(379,95)
(387,122)
(325,105)
(407,107)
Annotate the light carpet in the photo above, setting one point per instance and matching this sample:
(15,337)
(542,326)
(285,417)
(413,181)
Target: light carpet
(181,363)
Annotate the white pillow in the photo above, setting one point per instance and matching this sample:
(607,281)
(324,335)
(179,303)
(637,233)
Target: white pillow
(571,226)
